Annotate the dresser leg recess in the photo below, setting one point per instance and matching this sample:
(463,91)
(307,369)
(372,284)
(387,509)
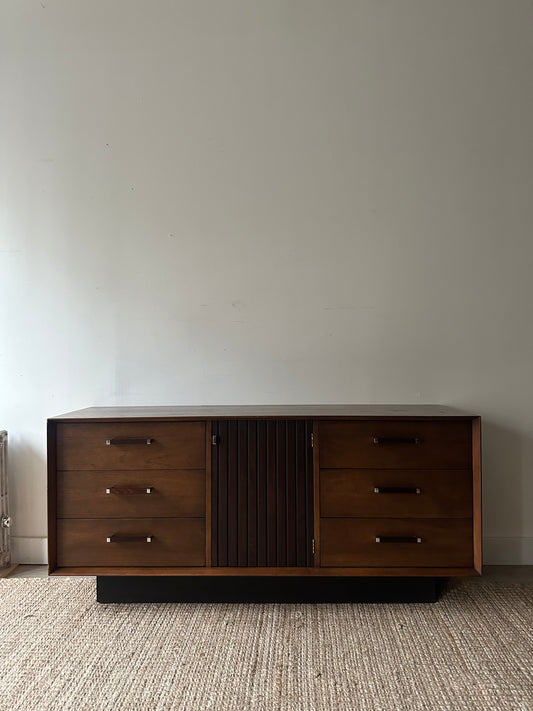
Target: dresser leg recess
(258,589)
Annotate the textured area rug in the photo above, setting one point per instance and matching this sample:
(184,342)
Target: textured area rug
(60,649)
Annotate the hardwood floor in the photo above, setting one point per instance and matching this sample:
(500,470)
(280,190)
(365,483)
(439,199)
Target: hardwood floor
(30,571)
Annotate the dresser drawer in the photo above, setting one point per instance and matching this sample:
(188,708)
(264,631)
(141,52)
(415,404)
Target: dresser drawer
(351,542)
(131,445)
(131,494)
(83,542)
(396,493)
(386,444)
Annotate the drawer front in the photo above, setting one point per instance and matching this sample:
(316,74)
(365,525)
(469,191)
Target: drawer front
(390,444)
(396,493)
(351,542)
(83,542)
(173,445)
(132,494)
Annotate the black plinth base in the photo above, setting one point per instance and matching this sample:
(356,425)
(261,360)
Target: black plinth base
(259,589)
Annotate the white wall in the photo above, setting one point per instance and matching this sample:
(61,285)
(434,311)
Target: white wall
(271,201)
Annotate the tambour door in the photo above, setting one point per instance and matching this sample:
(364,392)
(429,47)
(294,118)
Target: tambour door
(262,493)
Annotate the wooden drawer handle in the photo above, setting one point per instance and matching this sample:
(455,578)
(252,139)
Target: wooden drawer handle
(129,440)
(127,490)
(396,440)
(128,539)
(398,539)
(397,490)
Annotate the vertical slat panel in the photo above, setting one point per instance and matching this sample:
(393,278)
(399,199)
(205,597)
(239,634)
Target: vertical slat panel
(301,503)
(214,493)
(272,557)
(222,463)
(262,493)
(208,494)
(290,509)
(309,493)
(281,491)
(242,493)
(233,493)
(252,493)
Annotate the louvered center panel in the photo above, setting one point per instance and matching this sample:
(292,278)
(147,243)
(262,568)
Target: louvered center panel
(262,493)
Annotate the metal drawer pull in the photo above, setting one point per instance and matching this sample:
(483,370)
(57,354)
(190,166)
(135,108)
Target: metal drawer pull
(129,539)
(128,490)
(398,539)
(396,440)
(396,490)
(129,440)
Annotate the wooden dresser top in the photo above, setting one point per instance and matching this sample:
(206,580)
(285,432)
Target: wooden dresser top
(208,412)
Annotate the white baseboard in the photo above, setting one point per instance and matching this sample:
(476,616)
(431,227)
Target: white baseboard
(508,551)
(28,550)
(496,551)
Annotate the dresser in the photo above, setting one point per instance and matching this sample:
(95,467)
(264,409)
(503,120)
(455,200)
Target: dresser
(238,499)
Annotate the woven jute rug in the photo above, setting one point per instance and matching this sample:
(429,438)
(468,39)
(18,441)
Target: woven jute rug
(60,649)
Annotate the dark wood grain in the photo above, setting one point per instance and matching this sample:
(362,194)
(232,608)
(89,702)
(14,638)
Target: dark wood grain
(175,541)
(176,445)
(477,514)
(301,497)
(251,485)
(262,493)
(281,491)
(316,492)
(444,493)
(215,504)
(233,493)
(220,472)
(270,471)
(272,494)
(242,492)
(442,445)
(52,495)
(351,542)
(82,494)
(208,494)
(290,503)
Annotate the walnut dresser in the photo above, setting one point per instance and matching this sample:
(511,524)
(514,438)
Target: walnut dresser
(274,502)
